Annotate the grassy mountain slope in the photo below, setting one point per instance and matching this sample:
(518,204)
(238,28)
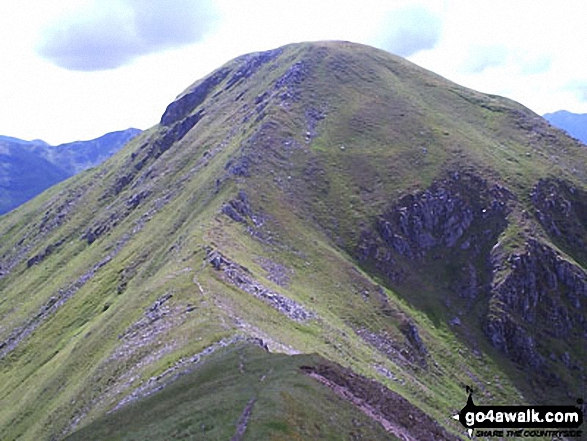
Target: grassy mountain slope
(298,397)
(325,198)
(29,167)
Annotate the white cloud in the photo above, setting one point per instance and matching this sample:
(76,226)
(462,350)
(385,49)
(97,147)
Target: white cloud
(163,49)
(409,30)
(531,64)
(108,34)
(484,57)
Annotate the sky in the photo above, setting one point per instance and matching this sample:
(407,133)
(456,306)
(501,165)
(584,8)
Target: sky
(77,69)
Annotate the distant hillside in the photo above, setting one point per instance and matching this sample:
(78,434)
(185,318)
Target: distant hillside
(29,167)
(574,123)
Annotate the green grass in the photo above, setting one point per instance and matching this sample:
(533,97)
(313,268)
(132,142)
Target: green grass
(207,404)
(401,127)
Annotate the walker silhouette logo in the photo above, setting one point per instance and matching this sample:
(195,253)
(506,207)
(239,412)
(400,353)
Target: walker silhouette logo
(521,421)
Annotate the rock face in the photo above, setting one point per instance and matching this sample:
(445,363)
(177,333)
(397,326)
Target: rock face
(461,214)
(238,209)
(532,298)
(182,107)
(443,216)
(561,209)
(152,150)
(539,291)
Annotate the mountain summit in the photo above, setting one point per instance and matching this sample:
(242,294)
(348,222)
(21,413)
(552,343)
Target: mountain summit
(321,198)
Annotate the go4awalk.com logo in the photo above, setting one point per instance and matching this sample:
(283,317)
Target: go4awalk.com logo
(521,421)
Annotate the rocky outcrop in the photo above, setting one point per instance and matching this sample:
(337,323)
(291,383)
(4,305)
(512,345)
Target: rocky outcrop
(175,125)
(249,65)
(153,149)
(443,216)
(239,210)
(37,258)
(459,215)
(101,227)
(536,295)
(183,106)
(240,166)
(531,297)
(561,209)
(410,331)
(411,352)
(177,132)
(241,278)
(290,81)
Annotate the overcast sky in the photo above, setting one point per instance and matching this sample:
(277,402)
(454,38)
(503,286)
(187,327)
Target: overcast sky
(76,69)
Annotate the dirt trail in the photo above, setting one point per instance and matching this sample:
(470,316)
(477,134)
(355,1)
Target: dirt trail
(243,421)
(365,407)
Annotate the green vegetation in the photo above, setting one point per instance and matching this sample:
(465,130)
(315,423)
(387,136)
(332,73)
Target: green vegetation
(208,403)
(107,281)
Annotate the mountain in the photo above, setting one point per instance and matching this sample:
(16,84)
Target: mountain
(12,140)
(574,123)
(24,174)
(318,241)
(27,168)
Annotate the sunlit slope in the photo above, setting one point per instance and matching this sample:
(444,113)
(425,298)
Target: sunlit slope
(244,392)
(326,198)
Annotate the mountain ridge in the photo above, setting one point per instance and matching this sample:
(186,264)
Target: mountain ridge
(574,123)
(325,198)
(29,167)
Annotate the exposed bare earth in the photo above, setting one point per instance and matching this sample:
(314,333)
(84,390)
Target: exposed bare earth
(397,415)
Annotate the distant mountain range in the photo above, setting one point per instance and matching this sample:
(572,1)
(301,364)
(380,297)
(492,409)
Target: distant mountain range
(574,123)
(29,167)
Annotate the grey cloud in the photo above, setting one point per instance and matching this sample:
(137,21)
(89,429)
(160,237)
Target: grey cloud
(483,57)
(107,38)
(410,30)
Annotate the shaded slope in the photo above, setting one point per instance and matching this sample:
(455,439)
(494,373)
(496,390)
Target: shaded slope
(77,156)
(29,167)
(326,198)
(573,123)
(23,175)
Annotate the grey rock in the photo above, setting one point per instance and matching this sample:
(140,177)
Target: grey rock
(249,64)
(183,106)
(535,289)
(241,278)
